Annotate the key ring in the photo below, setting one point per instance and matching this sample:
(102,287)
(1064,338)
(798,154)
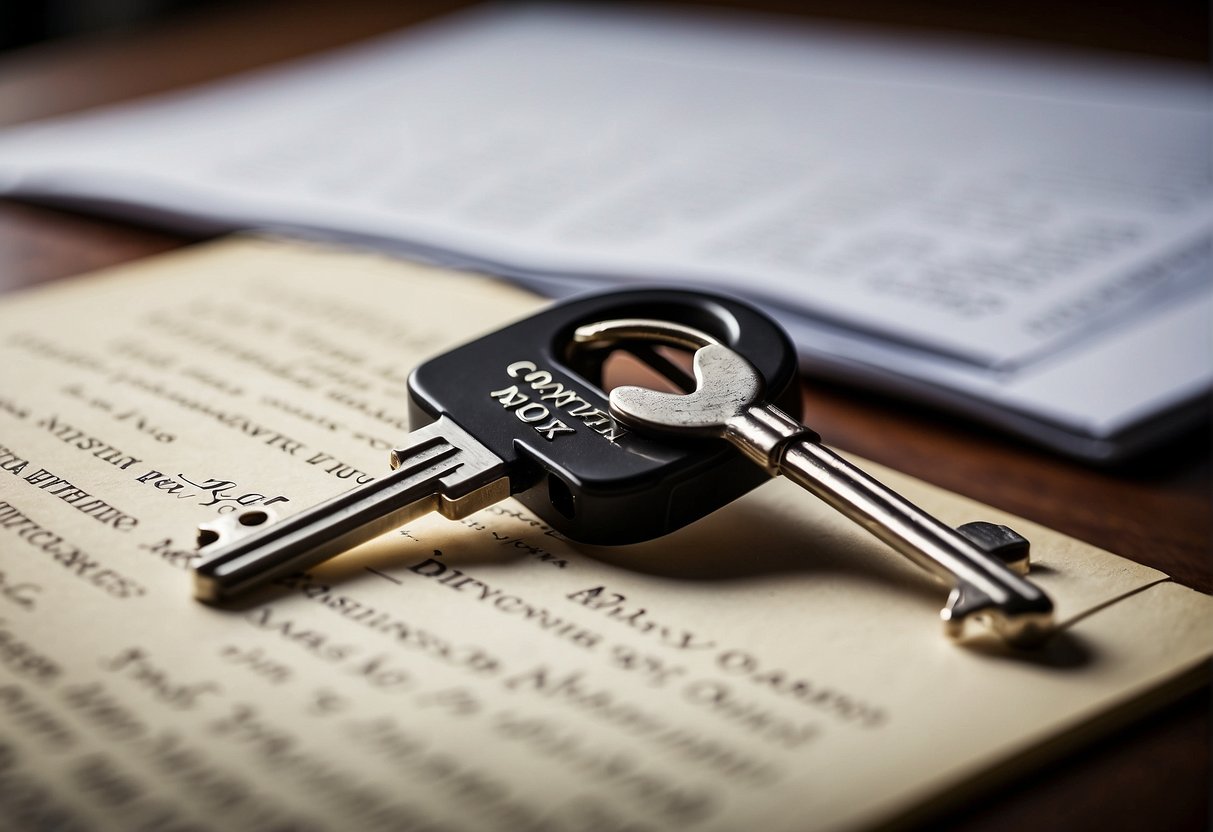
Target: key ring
(603,334)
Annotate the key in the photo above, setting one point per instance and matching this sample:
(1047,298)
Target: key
(521,411)
(728,403)
(440,468)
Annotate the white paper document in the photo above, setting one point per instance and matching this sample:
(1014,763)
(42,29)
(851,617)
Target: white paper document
(1023,236)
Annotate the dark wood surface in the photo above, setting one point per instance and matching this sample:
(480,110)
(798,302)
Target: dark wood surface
(1154,774)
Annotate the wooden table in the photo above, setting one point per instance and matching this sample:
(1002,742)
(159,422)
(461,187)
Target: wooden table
(1153,774)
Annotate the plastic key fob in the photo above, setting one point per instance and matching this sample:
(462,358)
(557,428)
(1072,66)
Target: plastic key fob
(534,398)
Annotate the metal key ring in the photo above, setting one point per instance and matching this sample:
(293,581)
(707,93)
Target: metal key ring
(608,333)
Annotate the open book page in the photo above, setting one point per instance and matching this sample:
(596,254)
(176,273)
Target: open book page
(972,213)
(767,664)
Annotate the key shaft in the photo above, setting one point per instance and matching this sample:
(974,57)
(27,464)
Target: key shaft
(983,585)
(441,469)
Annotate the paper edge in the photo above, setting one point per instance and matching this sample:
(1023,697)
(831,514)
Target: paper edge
(1034,754)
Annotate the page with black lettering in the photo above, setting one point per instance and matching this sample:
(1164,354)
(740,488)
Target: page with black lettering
(767,664)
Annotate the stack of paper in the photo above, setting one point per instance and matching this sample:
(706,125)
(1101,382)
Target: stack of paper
(1022,236)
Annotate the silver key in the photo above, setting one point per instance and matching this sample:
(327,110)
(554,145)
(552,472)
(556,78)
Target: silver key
(727,403)
(518,413)
(439,468)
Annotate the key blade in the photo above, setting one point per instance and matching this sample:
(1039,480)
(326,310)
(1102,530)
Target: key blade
(985,588)
(441,468)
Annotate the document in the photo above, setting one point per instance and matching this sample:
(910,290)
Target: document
(1020,235)
(769,667)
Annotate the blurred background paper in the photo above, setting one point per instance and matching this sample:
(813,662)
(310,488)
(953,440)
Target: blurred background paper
(1019,235)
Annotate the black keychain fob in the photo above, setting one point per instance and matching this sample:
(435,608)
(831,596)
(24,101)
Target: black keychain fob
(535,398)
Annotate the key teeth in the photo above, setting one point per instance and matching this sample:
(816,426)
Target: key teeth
(1003,542)
(229,528)
(1019,628)
(1025,628)
(958,609)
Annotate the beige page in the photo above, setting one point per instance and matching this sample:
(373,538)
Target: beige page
(771,667)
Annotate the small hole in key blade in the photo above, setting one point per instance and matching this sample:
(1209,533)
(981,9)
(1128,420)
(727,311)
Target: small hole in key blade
(253,518)
(653,366)
(206,537)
